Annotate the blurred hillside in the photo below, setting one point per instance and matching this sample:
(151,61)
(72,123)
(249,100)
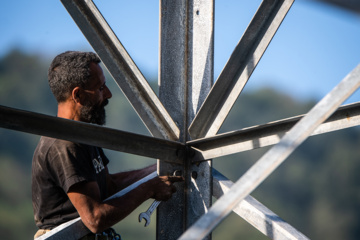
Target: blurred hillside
(316,190)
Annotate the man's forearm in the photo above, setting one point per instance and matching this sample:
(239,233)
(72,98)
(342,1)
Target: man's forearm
(113,210)
(123,179)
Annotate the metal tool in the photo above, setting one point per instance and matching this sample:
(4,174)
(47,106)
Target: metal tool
(146,215)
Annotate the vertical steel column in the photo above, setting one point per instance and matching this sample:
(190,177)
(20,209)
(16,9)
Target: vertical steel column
(186,76)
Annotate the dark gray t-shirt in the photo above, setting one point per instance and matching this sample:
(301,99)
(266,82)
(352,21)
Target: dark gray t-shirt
(57,165)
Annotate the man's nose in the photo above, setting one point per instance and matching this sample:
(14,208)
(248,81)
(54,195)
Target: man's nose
(108,93)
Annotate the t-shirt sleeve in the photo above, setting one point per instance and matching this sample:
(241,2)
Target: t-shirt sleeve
(71,164)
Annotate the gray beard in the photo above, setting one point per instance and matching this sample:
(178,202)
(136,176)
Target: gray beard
(94,114)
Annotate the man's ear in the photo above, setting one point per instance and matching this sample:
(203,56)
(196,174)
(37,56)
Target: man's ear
(76,94)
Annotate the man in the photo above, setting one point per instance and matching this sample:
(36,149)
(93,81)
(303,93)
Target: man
(71,179)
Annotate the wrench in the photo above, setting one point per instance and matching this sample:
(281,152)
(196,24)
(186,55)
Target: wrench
(146,215)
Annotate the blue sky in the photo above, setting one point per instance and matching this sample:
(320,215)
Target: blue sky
(316,46)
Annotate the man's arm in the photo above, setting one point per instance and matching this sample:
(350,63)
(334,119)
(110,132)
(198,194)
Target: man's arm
(121,180)
(98,216)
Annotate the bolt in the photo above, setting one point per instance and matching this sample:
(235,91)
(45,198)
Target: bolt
(177,173)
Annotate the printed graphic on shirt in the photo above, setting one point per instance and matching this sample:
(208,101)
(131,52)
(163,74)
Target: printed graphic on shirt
(98,164)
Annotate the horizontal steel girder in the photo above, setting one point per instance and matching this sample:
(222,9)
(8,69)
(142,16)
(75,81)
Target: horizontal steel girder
(268,134)
(90,134)
(122,68)
(201,149)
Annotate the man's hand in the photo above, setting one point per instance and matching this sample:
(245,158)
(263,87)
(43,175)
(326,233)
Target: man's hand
(163,187)
(98,215)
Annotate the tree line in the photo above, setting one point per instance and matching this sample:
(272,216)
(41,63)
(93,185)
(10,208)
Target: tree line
(315,190)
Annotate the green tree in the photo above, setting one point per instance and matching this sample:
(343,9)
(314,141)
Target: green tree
(315,190)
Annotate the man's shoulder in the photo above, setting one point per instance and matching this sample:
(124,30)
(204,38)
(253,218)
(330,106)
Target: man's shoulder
(48,144)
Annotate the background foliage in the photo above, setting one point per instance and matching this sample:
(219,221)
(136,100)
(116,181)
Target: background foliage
(316,190)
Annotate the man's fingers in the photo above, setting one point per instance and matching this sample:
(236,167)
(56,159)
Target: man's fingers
(175,178)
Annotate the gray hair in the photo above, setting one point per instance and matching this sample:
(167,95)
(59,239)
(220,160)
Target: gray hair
(69,70)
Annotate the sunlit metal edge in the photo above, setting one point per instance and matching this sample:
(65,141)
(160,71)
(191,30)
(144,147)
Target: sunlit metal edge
(239,68)
(256,213)
(268,134)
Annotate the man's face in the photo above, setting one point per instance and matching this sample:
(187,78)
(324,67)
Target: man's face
(97,95)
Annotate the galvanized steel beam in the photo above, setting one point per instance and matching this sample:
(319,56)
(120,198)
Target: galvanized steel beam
(274,157)
(252,211)
(122,68)
(186,75)
(239,68)
(90,134)
(268,134)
